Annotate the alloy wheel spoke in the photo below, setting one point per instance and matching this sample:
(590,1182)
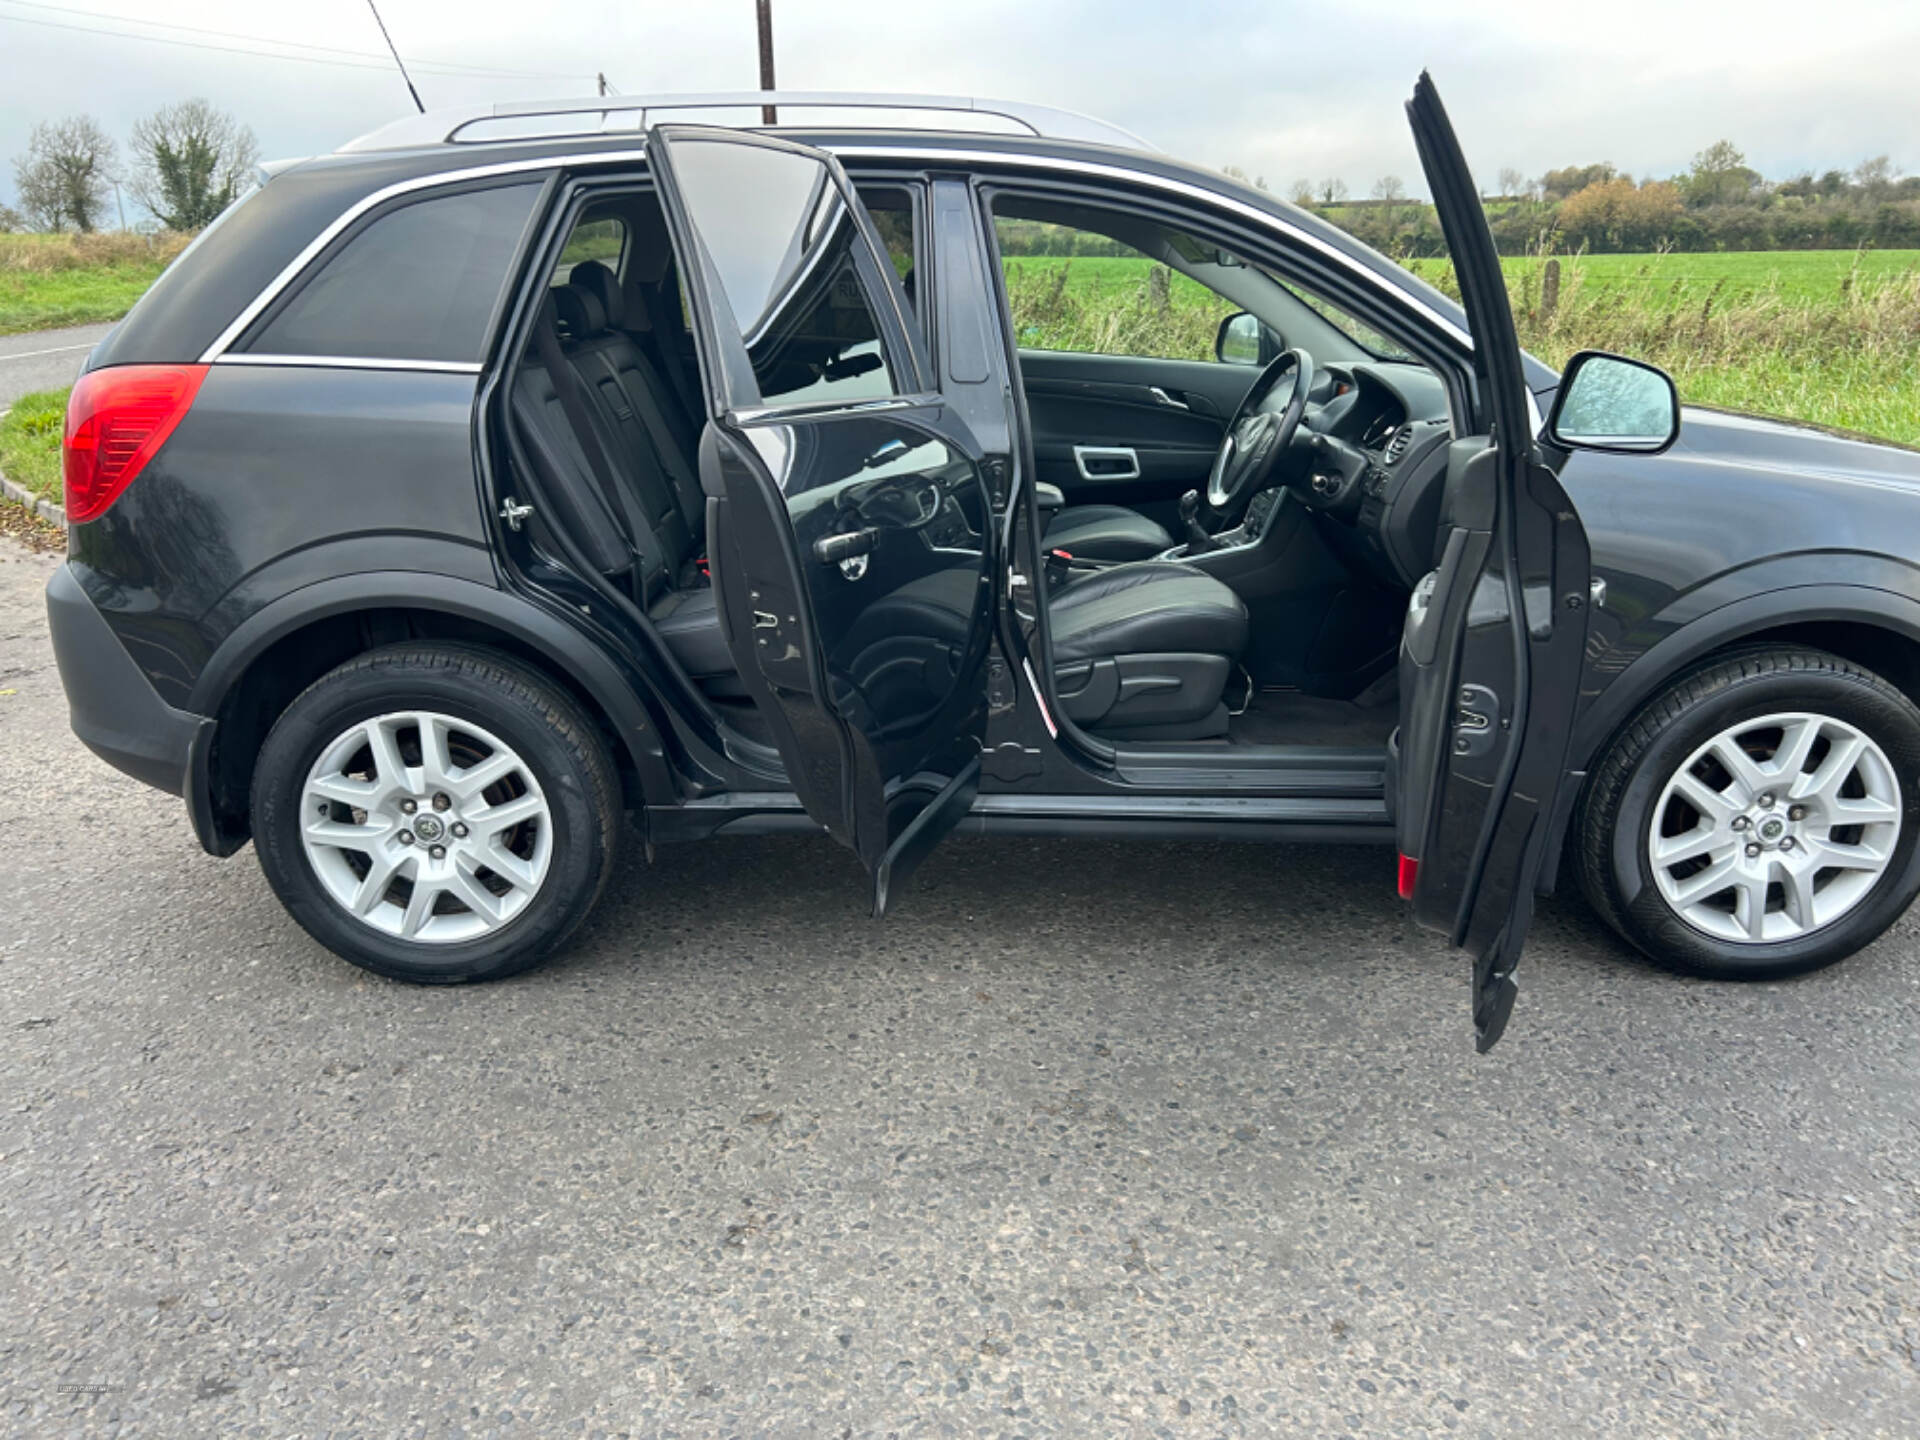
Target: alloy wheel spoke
(436,761)
(1837,765)
(420,905)
(345,790)
(1707,883)
(507,814)
(1747,775)
(1797,882)
(466,888)
(468,783)
(1715,804)
(1750,904)
(1849,857)
(375,883)
(1701,840)
(363,838)
(1862,810)
(394,773)
(1796,743)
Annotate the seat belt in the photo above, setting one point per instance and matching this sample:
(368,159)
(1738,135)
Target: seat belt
(566,385)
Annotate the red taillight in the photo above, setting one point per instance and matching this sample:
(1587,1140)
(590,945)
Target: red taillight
(1409,872)
(116,419)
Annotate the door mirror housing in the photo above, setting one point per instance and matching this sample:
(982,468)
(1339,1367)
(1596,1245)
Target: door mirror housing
(1241,340)
(1607,402)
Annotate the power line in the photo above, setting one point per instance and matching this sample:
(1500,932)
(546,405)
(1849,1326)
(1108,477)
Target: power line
(361,59)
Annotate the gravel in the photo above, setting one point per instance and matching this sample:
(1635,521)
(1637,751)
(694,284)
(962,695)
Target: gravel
(1090,1139)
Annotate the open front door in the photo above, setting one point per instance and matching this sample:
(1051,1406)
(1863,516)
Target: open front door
(847,510)
(1490,658)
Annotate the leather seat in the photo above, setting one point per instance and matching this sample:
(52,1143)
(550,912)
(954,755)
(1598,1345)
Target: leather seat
(1144,651)
(1106,532)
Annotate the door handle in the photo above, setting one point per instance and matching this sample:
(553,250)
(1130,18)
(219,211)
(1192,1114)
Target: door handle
(1165,399)
(1106,462)
(849,551)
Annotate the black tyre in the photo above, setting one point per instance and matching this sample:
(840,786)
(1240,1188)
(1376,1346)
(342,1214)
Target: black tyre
(436,813)
(1758,818)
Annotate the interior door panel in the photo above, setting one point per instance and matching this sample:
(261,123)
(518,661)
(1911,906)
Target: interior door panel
(1170,414)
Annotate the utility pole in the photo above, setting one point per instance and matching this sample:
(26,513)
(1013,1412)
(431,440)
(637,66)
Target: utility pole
(602,79)
(765,7)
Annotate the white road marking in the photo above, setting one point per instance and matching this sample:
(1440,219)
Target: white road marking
(56,350)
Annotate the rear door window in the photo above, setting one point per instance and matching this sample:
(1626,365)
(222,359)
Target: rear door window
(417,283)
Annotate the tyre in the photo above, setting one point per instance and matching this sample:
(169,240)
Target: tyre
(1758,818)
(436,813)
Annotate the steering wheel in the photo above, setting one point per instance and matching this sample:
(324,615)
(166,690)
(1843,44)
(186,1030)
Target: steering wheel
(1257,437)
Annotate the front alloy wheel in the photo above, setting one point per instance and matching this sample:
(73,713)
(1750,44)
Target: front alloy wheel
(1775,827)
(1752,822)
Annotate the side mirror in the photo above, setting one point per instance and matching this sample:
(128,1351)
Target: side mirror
(1607,402)
(1240,340)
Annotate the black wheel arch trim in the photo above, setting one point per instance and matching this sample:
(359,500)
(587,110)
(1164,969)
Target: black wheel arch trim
(1704,635)
(620,697)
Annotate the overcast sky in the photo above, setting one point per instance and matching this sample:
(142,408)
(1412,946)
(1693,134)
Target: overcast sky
(1283,89)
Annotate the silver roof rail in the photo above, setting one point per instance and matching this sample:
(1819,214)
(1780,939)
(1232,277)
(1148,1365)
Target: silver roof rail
(627,113)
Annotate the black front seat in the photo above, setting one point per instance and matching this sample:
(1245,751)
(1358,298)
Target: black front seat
(1144,651)
(1106,532)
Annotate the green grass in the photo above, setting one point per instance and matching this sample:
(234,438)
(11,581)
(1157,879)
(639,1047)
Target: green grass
(1827,336)
(47,281)
(30,442)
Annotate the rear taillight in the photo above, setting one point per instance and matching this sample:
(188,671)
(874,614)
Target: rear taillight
(117,418)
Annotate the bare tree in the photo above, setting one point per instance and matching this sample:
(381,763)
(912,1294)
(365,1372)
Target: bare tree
(64,177)
(1332,190)
(1874,176)
(11,220)
(190,162)
(1389,190)
(1513,184)
(1301,192)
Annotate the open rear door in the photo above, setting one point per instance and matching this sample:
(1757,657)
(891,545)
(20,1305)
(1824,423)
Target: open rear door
(847,509)
(1490,658)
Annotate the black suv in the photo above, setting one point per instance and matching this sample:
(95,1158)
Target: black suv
(512,472)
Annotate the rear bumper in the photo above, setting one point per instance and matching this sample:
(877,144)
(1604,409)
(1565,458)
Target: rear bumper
(114,708)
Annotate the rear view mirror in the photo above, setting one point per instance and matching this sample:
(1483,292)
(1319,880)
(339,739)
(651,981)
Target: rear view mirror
(1607,402)
(1238,341)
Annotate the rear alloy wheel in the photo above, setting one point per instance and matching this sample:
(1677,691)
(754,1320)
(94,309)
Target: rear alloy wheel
(1751,822)
(435,813)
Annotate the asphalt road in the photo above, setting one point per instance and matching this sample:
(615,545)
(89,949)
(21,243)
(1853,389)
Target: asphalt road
(44,360)
(1090,1140)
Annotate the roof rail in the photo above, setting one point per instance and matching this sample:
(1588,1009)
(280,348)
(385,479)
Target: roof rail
(627,113)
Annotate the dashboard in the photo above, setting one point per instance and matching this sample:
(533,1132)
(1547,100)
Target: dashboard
(1381,511)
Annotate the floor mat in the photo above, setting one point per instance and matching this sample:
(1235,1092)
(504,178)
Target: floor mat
(1286,717)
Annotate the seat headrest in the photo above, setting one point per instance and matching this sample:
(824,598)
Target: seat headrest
(579,311)
(592,276)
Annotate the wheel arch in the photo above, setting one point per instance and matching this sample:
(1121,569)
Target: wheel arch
(282,648)
(1874,628)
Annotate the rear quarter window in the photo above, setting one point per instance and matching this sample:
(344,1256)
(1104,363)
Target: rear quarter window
(417,283)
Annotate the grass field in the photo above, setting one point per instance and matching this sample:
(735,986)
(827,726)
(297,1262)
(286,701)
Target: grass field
(1827,336)
(30,442)
(52,280)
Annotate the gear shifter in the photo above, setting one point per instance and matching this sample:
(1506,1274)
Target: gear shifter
(1199,542)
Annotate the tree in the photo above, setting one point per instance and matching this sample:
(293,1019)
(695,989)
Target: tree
(1301,193)
(190,161)
(11,220)
(64,176)
(1332,191)
(1719,176)
(1618,215)
(1572,179)
(1389,190)
(1875,176)
(1512,183)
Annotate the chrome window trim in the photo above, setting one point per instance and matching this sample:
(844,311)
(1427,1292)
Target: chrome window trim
(1001,158)
(351,362)
(438,180)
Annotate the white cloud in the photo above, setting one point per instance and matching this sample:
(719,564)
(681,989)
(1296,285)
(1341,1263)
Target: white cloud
(1283,88)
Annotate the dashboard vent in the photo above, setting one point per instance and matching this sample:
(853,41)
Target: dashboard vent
(1397,443)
